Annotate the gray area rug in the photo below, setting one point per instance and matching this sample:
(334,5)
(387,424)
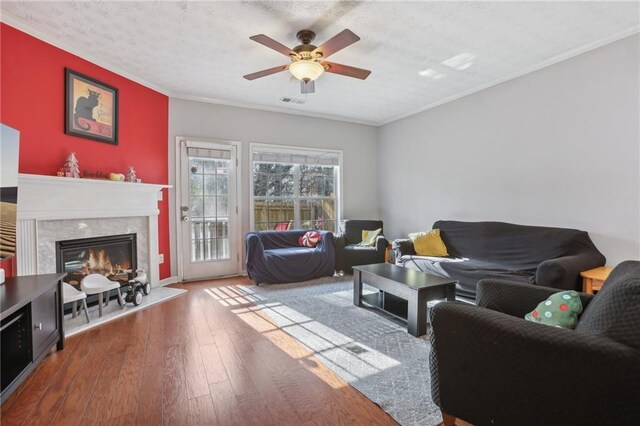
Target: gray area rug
(368,349)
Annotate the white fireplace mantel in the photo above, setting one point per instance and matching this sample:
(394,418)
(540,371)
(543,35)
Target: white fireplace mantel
(47,198)
(51,198)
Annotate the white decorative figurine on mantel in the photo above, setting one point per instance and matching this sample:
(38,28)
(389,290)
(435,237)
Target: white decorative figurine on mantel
(71,168)
(131,176)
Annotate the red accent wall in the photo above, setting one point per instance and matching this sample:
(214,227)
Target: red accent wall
(8,267)
(32,101)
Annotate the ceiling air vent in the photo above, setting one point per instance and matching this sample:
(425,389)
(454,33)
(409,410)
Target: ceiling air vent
(293,101)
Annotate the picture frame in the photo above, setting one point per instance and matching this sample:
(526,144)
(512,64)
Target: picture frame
(91,108)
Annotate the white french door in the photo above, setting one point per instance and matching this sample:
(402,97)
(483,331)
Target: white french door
(208,210)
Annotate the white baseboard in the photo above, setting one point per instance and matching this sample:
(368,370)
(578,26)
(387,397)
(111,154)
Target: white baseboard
(167,281)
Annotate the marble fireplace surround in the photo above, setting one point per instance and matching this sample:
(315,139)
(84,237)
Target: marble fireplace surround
(53,209)
(51,231)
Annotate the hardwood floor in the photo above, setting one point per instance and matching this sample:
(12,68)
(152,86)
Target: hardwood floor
(201,358)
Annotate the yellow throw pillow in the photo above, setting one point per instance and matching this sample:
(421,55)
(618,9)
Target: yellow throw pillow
(369,237)
(429,243)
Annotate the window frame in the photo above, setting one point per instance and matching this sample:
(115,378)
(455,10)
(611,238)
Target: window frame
(296,198)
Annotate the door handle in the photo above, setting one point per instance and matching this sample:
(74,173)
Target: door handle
(37,326)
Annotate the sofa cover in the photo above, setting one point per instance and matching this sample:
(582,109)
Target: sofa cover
(552,257)
(275,257)
(349,253)
(523,373)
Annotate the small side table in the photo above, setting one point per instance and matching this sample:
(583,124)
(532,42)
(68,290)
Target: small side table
(388,254)
(593,279)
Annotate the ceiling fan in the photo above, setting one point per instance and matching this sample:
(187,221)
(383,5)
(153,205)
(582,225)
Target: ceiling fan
(308,61)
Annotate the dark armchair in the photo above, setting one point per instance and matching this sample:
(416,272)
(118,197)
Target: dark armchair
(491,367)
(349,253)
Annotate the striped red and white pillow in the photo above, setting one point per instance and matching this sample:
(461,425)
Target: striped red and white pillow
(310,239)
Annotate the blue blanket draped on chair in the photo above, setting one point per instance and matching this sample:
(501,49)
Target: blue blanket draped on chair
(276,257)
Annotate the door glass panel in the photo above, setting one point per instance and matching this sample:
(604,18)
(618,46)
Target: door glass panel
(222,229)
(223,206)
(209,249)
(196,184)
(210,230)
(210,166)
(197,206)
(210,184)
(223,185)
(195,165)
(196,250)
(209,208)
(223,248)
(196,230)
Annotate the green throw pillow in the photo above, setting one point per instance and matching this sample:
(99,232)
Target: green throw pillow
(369,237)
(559,310)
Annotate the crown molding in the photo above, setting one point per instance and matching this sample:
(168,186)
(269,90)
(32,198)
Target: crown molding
(543,64)
(28,28)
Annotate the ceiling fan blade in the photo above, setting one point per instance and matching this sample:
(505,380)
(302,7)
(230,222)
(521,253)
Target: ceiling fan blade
(267,72)
(272,44)
(346,70)
(307,87)
(338,42)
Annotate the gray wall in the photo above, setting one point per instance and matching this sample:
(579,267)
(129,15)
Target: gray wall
(210,121)
(557,147)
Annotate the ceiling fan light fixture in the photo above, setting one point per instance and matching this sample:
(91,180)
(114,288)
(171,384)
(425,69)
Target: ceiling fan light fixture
(306,70)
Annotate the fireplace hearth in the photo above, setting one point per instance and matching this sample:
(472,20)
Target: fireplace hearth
(112,256)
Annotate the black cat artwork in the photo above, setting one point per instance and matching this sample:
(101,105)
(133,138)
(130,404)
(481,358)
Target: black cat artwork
(84,109)
(91,108)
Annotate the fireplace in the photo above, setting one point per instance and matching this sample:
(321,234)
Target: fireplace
(112,256)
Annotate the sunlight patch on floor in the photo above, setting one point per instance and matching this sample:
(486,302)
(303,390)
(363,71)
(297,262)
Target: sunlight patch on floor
(338,351)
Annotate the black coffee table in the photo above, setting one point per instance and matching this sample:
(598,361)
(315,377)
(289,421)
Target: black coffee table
(412,290)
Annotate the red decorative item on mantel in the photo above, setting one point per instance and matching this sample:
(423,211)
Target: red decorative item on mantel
(95,175)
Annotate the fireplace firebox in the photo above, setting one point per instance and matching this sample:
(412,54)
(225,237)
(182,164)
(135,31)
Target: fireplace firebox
(112,256)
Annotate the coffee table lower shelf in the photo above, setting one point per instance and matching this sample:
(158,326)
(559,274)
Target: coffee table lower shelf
(403,292)
(390,304)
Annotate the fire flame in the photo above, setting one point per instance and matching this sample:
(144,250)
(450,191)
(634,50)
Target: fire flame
(97,262)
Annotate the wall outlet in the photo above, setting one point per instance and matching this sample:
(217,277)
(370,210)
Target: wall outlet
(161,258)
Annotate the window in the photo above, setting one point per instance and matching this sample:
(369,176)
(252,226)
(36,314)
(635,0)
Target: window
(295,188)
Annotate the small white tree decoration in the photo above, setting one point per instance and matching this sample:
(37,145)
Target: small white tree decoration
(131,176)
(71,167)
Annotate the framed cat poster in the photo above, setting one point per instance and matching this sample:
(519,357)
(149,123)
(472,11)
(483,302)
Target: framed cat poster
(91,108)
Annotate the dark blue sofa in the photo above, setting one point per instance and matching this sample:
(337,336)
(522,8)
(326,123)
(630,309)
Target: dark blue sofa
(275,257)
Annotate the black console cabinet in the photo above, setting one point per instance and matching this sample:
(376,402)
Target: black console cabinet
(31,322)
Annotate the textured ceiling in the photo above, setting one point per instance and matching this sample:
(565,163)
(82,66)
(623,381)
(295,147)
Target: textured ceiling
(202,49)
